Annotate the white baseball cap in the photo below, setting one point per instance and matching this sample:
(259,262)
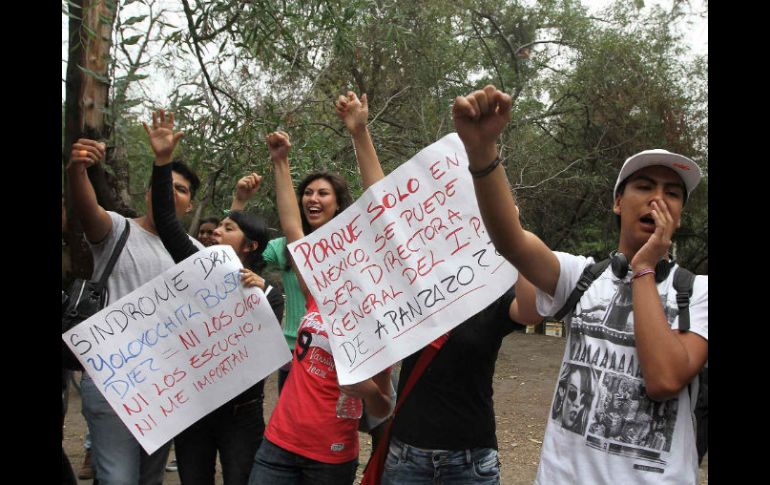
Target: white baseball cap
(683,166)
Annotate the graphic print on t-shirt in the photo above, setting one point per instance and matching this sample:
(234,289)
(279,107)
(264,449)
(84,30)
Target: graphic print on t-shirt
(313,345)
(600,394)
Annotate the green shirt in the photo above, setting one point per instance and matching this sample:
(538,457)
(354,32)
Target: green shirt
(275,255)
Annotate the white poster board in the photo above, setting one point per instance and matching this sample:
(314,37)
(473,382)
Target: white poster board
(408,261)
(180,346)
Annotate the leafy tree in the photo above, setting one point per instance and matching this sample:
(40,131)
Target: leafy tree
(588,92)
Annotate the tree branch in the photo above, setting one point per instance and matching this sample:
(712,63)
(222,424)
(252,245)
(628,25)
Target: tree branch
(489,54)
(194,36)
(386,105)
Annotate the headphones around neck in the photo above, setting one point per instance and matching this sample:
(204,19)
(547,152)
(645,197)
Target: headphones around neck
(619,265)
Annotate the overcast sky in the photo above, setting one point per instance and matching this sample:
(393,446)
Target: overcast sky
(696,33)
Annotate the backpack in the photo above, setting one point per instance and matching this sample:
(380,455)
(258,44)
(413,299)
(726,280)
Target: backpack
(85,298)
(683,283)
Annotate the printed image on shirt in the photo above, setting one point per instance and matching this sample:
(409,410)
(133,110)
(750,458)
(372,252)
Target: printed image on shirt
(313,345)
(615,415)
(625,413)
(574,396)
(612,319)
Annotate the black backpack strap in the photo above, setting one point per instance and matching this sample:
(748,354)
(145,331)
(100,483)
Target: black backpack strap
(683,283)
(114,257)
(590,273)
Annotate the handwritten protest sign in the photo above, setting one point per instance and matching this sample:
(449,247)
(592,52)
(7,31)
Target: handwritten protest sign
(180,346)
(407,262)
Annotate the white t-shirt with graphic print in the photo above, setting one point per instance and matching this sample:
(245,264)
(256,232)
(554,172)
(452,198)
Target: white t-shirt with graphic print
(602,427)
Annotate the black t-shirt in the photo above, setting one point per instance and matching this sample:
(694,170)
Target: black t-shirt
(450,406)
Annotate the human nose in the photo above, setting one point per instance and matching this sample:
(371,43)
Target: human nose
(657,194)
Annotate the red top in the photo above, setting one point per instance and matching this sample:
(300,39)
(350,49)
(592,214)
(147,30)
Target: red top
(305,419)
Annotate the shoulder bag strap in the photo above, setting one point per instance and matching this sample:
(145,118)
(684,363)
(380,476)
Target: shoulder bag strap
(114,257)
(426,356)
(375,467)
(683,283)
(590,273)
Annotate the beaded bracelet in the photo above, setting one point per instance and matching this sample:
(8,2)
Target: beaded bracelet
(477,174)
(642,273)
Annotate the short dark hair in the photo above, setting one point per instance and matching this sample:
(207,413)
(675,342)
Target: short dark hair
(622,188)
(182,169)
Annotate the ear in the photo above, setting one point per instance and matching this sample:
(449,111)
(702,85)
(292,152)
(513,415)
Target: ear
(616,206)
(250,247)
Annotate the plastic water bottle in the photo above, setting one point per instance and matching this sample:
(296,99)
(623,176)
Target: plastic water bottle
(349,407)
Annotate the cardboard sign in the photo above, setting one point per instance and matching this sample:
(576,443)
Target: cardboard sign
(180,346)
(407,262)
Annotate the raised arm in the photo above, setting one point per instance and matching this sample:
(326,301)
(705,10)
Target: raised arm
(93,218)
(278,145)
(479,119)
(246,187)
(355,113)
(163,141)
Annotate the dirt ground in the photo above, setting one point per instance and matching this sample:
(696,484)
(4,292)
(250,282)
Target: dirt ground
(524,383)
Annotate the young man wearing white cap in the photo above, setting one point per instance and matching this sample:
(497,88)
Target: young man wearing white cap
(624,330)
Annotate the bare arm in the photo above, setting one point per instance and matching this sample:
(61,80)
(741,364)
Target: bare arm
(93,218)
(479,119)
(375,392)
(354,113)
(523,308)
(278,145)
(670,359)
(244,190)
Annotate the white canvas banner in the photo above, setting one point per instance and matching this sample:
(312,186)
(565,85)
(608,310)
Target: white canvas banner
(408,261)
(180,346)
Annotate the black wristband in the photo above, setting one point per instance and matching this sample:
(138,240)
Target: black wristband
(477,174)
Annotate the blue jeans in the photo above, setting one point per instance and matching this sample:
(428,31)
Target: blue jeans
(275,466)
(235,430)
(118,458)
(407,465)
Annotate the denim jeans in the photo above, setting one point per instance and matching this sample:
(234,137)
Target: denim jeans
(407,465)
(235,430)
(118,458)
(275,466)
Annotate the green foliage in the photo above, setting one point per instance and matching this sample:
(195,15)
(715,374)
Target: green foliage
(587,94)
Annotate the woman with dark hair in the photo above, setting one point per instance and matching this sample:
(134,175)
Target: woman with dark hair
(277,254)
(574,395)
(444,426)
(205,230)
(305,441)
(234,429)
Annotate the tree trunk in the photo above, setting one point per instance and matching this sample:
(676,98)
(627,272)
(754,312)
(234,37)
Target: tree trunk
(86,97)
(211,184)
